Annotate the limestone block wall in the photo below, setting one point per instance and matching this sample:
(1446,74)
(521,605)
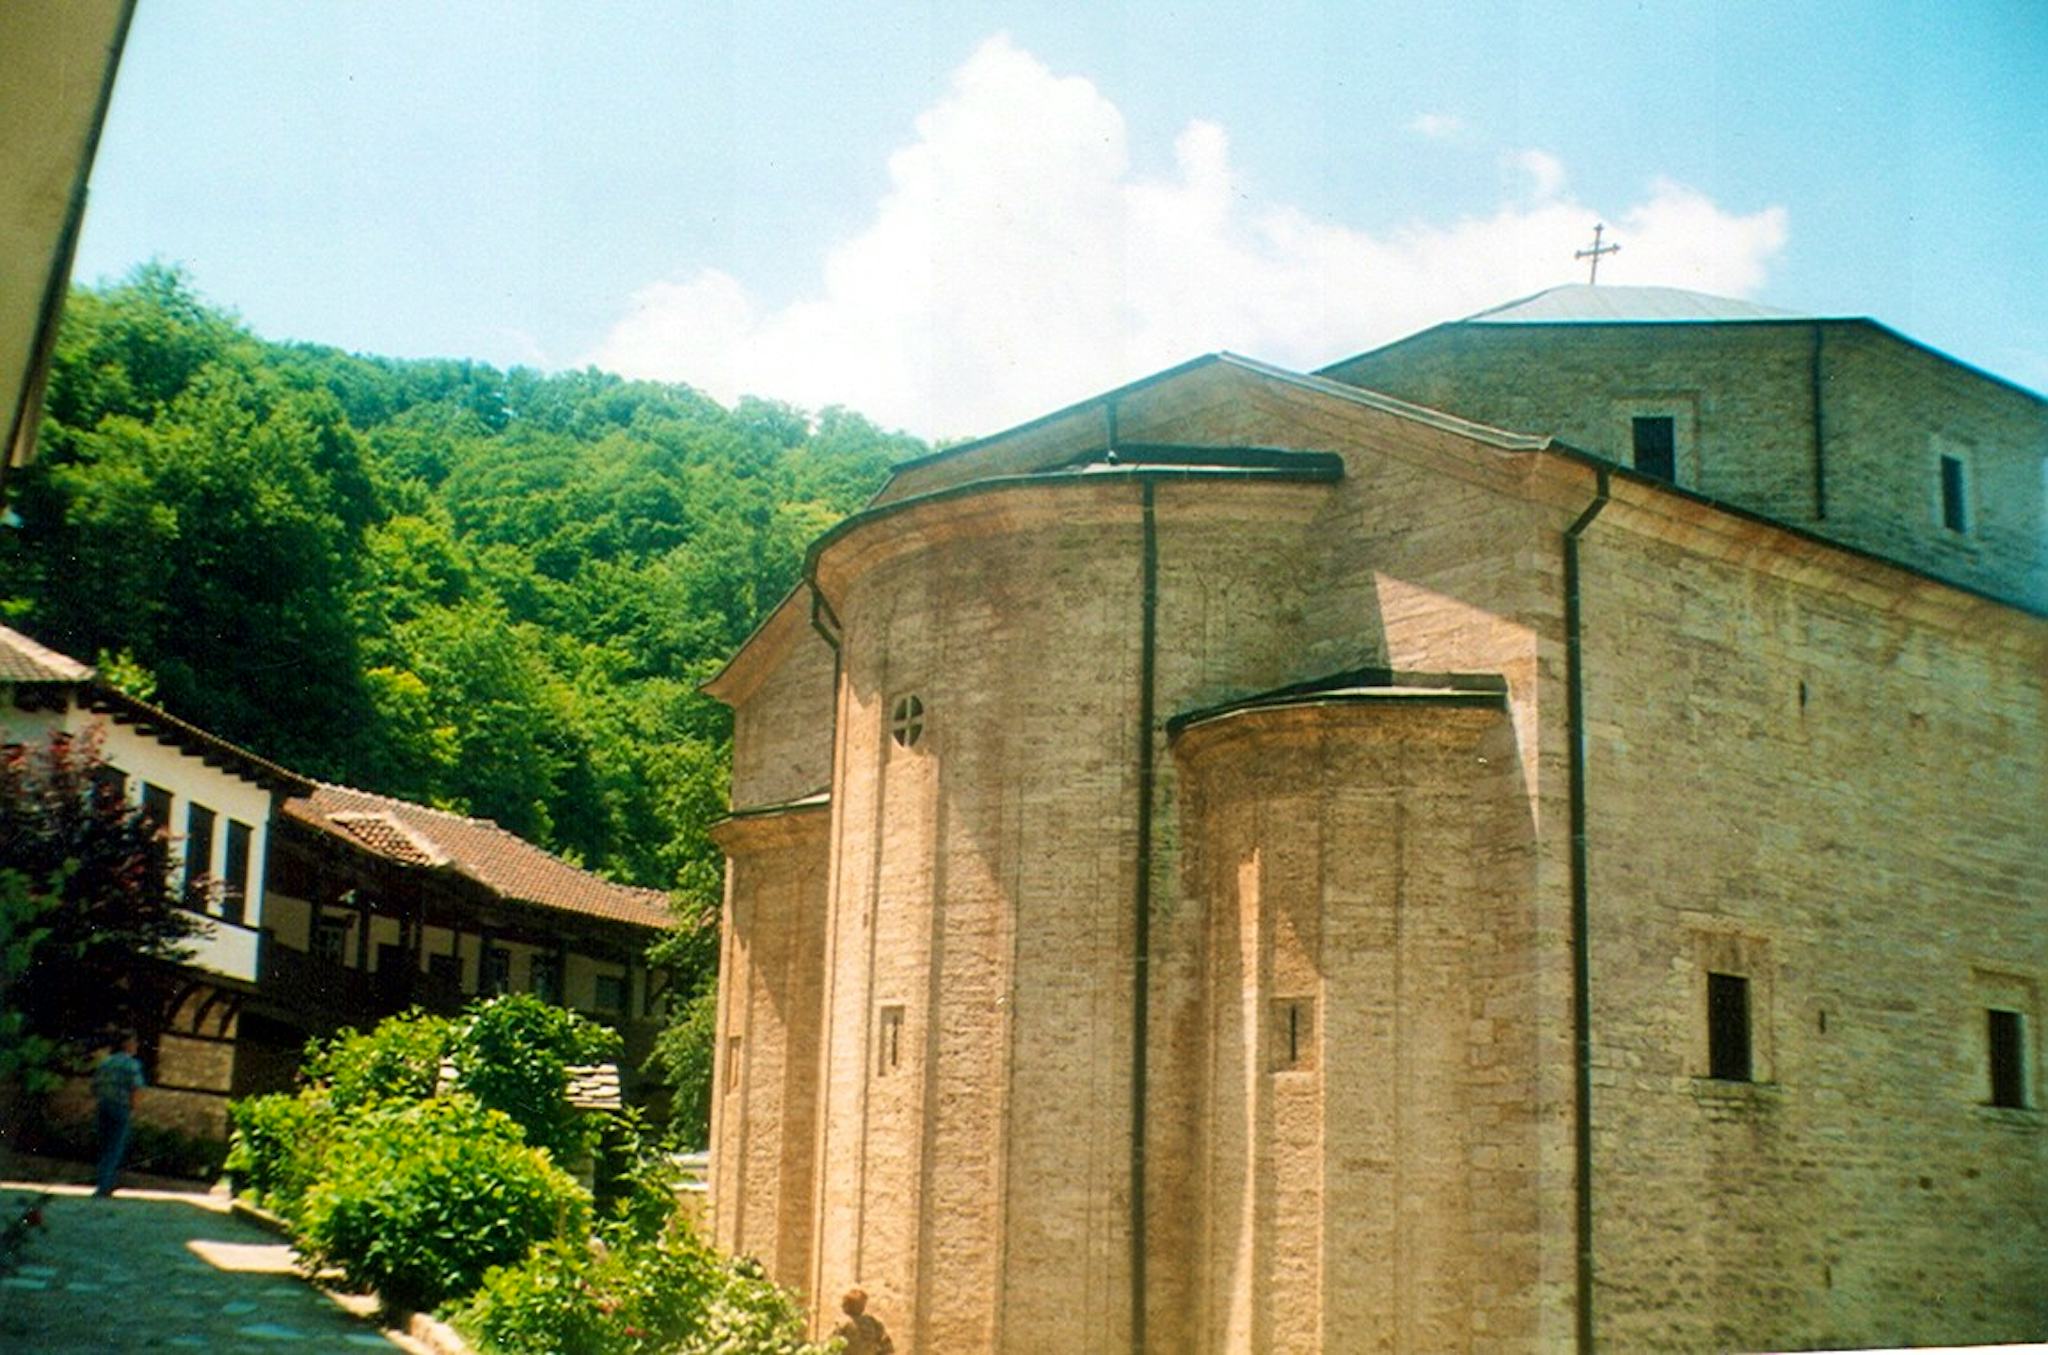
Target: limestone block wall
(765,1067)
(1838,796)
(1744,398)
(1369,1167)
(782,728)
(974,1151)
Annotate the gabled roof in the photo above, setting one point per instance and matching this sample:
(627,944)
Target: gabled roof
(413,835)
(1582,303)
(23,660)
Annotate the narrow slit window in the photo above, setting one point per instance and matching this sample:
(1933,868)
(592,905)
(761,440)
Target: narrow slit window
(1955,509)
(1728,1046)
(732,1063)
(1293,1034)
(2007,1034)
(889,1040)
(1656,446)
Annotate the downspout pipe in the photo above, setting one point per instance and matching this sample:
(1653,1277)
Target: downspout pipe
(1582,968)
(1141,907)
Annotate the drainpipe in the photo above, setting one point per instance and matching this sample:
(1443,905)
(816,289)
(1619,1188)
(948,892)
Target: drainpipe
(1141,919)
(1582,997)
(1820,465)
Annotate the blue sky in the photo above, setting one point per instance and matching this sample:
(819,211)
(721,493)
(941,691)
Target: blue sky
(954,215)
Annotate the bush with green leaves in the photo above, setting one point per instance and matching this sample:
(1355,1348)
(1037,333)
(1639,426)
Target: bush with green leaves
(277,1146)
(418,1200)
(671,1294)
(400,1060)
(511,1054)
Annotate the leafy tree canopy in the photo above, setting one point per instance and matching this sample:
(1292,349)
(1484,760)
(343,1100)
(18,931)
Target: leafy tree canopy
(491,591)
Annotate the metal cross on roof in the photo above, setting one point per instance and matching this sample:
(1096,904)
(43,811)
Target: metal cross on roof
(1595,252)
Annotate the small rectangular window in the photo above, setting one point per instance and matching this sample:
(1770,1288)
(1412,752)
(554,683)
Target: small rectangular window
(234,876)
(1293,1035)
(1728,1050)
(109,787)
(494,971)
(1955,509)
(156,806)
(732,1063)
(1656,446)
(889,1040)
(610,995)
(330,940)
(199,822)
(2007,1034)
(545,972)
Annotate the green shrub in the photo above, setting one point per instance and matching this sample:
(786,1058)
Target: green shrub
(671,1294)
(418,1201)
(278,1144)
(682,1057)
(398,1061)
(510,1054)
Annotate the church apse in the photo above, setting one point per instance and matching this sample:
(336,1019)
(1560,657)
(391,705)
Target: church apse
(1366,1173)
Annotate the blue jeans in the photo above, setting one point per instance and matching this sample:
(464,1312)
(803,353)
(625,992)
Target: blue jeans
(113,1130)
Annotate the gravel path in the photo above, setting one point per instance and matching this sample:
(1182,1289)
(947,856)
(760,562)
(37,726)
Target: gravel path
(159,1271)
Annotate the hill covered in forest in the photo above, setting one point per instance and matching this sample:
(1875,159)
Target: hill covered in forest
(490,591)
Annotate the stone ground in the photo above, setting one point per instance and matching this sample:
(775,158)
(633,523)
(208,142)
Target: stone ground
(162,1270)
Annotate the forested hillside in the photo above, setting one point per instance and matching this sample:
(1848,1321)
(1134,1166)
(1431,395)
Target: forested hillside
(491,591)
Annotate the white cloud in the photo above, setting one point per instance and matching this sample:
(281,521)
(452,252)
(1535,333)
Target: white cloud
(1545,172)
(1017,264)
(1436,126)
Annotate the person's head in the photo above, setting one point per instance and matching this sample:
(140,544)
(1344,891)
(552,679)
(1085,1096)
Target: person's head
(855,1303)
(126,1041)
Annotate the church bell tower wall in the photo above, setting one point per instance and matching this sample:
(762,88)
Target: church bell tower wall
(1368,1172)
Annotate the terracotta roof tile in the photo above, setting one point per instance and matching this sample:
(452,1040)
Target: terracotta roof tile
(23,660)
(479,849)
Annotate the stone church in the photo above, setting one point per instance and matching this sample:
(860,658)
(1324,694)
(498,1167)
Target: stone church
(1533,838)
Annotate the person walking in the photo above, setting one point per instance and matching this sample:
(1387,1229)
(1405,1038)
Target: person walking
(116,1085)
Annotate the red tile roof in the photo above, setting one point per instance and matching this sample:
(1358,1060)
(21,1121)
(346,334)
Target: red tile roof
(504,862)
(23,660)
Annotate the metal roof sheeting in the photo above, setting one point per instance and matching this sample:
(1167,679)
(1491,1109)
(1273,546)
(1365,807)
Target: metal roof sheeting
(1583,303)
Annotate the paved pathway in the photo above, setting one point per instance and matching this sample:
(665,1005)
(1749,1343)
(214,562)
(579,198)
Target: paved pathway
(161,1271)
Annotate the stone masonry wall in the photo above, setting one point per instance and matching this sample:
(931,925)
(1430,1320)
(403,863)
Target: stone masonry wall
(764,1109)
(1368,1164)
(1743,399)
(1842,803)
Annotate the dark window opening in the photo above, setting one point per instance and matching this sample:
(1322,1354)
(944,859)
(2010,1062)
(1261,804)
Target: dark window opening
(2008,1058)
(906,721)
(1293,1034)
(109,787)
(889,1053)
(156,806)
(199,822)
(234,875)
(732,1063)
(1656,446)
(546,974)
(494,971)
(1955,513)
(611,993)
(444,967)
(330,940)
(1728,1054)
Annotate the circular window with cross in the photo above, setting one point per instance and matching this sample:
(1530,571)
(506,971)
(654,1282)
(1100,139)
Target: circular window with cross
(906,721)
